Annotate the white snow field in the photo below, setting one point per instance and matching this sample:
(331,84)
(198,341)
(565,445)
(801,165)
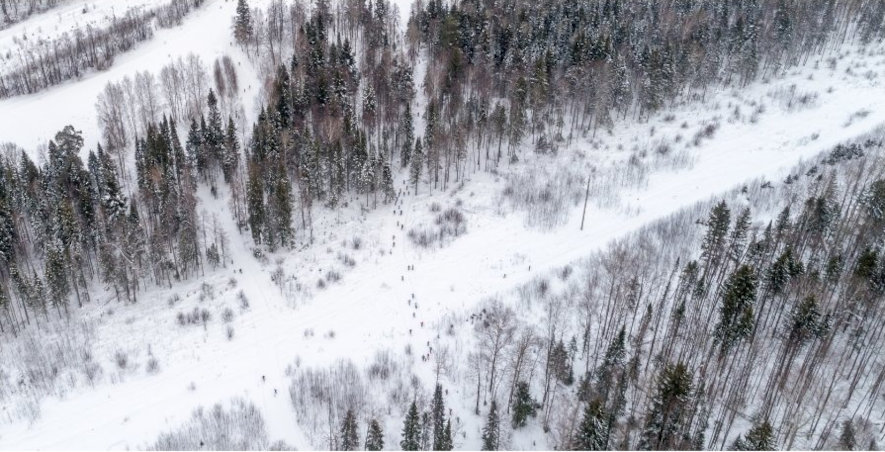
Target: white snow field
(67,17)
(30,121)
(368,310)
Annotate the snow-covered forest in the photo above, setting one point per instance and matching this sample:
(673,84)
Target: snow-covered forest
(439,225)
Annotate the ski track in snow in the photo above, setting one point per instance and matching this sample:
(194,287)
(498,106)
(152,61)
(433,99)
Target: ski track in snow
(367,309)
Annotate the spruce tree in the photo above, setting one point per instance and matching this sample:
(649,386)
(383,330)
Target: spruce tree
(426,438)
(194,147)
(446,442)
(231,158)
(806,322)
(284,97)
(523,405)
(213,135)
(848,437)
(592,433)
(375,438)
(612,362)
(760,437)
(416,165)
(255,203)
(437,413)
(736,310)
(243,22)
(411,436)
(56,276)
(283,210)
(664,423)
(713,245)
(408,135)
(349,437)
(386,182)
(491,432)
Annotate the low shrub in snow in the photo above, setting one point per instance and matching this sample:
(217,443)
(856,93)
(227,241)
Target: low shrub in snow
(447,226)
(241,427)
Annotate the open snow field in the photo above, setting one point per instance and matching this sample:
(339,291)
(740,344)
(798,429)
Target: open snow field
(67,18)
(379,303)
(30,121)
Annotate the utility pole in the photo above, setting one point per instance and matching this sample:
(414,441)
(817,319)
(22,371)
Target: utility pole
(586,196)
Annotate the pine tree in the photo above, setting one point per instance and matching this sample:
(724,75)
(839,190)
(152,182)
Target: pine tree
(664,424)
(349,438)
(523,405)
(592,433)
(375,439)
(243,23)
(411,437)
(491,433)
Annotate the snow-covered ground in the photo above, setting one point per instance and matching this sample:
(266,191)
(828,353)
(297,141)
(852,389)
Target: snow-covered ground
(67,18)
(369,309)
(762,131)
(30,121)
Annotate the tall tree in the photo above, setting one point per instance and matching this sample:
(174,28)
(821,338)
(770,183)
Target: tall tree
(736,311)
(375,438)
(349,438)
(593,431)
(438,413)
(665,422)
(416,165)
(523,405)
(491,432)
(243,23)
(760,437)
(231,158)
(411,436)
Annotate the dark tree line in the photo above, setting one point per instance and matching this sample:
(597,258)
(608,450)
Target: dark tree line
(329,129)
(501,72)
(68,222)
(67,57)
(498,75)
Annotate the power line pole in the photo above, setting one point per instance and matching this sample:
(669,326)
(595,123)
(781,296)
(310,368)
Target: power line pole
(586,196)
